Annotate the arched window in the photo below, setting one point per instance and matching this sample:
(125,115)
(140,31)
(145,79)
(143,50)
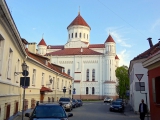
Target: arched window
(75,35)
(93,91)
(87,75)
(79,35)
(68,72)
(72,35)
(93,75)
(87,90)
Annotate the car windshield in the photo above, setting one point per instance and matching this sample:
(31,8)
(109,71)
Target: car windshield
(49,111)
(64,99)
(116,103)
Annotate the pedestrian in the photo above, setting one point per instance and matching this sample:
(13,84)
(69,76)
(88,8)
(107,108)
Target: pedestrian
(142,109)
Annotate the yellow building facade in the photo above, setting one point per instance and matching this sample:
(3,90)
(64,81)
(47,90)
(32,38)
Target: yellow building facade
(46,80)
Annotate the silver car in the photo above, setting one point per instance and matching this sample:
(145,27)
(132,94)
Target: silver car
(66,103)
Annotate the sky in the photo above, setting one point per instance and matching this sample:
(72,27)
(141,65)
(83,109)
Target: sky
(129,22)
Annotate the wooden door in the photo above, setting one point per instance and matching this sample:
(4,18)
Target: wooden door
(8,111)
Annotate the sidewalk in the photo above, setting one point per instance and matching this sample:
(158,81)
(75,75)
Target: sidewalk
(18,116)
(129,112)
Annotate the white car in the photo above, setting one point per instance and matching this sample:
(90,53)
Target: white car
(108,99)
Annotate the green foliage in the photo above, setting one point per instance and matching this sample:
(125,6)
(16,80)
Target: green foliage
(123,80)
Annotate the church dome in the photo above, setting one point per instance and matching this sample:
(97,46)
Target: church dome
(78,21)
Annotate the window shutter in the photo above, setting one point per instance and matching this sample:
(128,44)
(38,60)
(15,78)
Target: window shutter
(154,89)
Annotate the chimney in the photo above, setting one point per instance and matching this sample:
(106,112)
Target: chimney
(150,42)
(81,49)
(32,47)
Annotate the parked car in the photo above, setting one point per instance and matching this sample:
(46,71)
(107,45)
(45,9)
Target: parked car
(80,102)
(121,100)
(74,103)
(117,106)
(48,111)
(66,103)
(108,99)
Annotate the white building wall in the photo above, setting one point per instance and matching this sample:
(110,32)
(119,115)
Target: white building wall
(136,96)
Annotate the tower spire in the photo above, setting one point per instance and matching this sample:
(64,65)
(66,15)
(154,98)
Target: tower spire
(79,11)
(42,35)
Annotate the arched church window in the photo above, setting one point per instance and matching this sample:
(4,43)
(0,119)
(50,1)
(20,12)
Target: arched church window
(87,90)
(79,35)
(93,91)
(87,75)
(93,75)
(72,35)
(75,35)
(68,72)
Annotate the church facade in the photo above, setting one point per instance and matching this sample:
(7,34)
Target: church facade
(91,65)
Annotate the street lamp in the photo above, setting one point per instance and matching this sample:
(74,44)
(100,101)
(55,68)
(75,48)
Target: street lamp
(64,90)
(23,81)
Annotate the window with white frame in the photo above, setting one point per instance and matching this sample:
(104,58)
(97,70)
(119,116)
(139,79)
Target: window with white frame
(1,52)
(87,75)
(53,82)
(93,75)
(87,90)
(57,83)
(42,82)
(9,64)
(34,77)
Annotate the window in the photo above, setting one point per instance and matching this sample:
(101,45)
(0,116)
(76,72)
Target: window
(140,86)
(87,75)
(42,82)
(57,83)
(69,36)
(9,64)
(72,35)
(53,83)
(87,90)
(34,77)
(75,35)
(93,91)
(1,52)
(93,75)
(156,89)
(79,35)
(62,85)
(68,72)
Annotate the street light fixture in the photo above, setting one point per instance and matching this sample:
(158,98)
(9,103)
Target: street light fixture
(64,90)
(24,82)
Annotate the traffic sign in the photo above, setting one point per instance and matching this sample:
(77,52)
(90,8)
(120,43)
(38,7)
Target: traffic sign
(139,76)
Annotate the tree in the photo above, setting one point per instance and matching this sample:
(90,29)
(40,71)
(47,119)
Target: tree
(123,81)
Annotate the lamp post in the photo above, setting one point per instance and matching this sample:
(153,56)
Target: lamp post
(64,90)
(23,81)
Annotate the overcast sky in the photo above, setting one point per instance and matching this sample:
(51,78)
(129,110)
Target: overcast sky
(130,22)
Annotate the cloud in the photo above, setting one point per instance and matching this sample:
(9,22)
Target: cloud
(156,24)
(118,36)
(124,56)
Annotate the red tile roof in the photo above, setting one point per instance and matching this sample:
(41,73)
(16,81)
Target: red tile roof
(79,21)
(116,57)
(109,39)
(55,47)
(42,42)
(148,52)
(96,46)
(44,89)
(74,51)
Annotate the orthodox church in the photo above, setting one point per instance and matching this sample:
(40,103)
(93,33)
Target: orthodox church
(91,65)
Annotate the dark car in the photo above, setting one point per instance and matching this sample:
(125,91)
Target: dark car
(120,100)
(80,103)
(74,103)
(116,106)
(48,111)
(66,103)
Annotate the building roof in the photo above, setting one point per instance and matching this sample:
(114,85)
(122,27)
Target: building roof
(147,53)
(74,51)
(45,89)
(96,46)
(55,46)
(42,42)
(116,57)
(79,21)
(109,39)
